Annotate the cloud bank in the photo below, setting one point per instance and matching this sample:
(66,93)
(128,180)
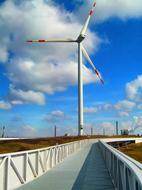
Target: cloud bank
(37,69)
(134,89)
(122,9)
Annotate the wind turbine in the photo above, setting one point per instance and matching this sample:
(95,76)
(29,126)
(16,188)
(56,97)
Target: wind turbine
(81,50)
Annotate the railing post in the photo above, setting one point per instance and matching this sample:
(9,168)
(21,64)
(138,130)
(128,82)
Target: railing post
(44,160)
(7,173)
(25,166)
(37,162)
(50,157)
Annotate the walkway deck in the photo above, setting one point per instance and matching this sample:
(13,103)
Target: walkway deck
(83,170)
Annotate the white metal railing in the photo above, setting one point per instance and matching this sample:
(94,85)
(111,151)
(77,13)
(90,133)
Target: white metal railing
(19,168)
(125,172)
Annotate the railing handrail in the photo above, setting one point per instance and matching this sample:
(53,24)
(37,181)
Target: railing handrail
(21,167)
(114,150)
(134,166)
(46,148)
(121,139)
(38,149)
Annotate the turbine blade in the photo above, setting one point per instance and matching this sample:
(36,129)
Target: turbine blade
(52,40)
(93,66)
(83,31)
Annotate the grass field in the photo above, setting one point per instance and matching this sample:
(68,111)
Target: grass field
(134,151)
(29,144)
(8,146)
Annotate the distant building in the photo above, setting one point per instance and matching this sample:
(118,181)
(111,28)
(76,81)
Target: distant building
(117,133)
(124,132)
(66,134)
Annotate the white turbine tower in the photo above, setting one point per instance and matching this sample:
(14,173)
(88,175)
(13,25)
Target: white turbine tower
(81,50)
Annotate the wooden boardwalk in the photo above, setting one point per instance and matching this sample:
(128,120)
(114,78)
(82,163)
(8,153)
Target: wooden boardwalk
(83,170)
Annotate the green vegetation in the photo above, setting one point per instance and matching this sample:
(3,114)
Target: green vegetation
(134,151)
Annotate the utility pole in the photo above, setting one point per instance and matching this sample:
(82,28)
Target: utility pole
(91,131)
(117,128)
(55,131)
(3,132)
(104,131)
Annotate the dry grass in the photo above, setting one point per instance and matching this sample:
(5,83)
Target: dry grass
(29,144)
(134,151)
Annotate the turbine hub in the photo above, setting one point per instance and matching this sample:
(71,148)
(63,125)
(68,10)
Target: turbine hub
(81,38)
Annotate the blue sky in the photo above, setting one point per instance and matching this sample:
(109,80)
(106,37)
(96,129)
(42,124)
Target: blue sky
(38,82)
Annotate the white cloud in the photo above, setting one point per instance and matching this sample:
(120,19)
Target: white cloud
(138,121)
(4,105)
(136,125)
(20,96)
(107,107)
(29,130)
(126,125)
(22,131)
(100,107)
(17,118)
(57,113)
(100,128)
(121,107)
(130,125)
(108,128)
(4,41)
(123,9)
(41,67)
(139,106)
(55,116)
(134,89)
(123,114)
(46,77)
(125,105)
(16,102)
(90,110)
(3,54)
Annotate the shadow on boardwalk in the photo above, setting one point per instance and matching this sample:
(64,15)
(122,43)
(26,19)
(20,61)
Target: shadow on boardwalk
(93,174)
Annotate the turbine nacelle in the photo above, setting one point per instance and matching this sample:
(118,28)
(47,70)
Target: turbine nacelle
(80,38)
